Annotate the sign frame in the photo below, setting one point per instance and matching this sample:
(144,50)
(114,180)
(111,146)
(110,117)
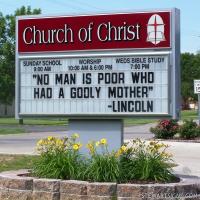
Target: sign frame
(173,72)
(195,90)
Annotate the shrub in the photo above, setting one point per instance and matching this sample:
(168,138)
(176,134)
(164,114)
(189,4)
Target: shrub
(165,129)
(189,130)
(59,158)
(143,161)
(103,166)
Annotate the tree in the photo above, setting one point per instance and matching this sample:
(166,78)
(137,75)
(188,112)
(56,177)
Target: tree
(190,70)
(7,54)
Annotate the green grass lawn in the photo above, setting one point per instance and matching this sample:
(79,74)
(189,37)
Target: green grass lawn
(137,121)
(15,162)
(6,131)
(189,114)
(13,121)
(15,128)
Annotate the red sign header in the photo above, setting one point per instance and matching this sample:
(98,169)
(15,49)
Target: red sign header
(96,32)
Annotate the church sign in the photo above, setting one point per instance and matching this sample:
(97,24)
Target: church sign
(98,32)
(111,65)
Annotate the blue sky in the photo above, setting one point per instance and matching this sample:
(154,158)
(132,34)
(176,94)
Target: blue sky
(190,12)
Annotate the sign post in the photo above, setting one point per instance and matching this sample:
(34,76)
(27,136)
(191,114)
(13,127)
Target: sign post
(199,107)
(99,71)
(197,91)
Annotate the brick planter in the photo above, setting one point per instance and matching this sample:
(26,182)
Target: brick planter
(13,186)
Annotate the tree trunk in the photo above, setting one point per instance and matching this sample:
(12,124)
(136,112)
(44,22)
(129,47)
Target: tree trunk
(185,104)
(6,110)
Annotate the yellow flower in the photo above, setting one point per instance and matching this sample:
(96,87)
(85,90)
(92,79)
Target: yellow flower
(123,148)
(76,147)
(50,138)
(118,153)
(97,143)
(59,142)
(40,142)
(90,146)
(103,141)
(75,135)
(167,155)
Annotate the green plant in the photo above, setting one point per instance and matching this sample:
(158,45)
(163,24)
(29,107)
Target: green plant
(127,164)
(189,129)
(137,161)
(165,129)
(143,161)
(103,166)
(59,158)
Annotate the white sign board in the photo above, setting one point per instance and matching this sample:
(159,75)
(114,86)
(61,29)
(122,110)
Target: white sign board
(122,85)
(111,65)
(197,86)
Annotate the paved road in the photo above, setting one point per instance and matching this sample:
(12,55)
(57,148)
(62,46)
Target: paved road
(25,143)
(186,155)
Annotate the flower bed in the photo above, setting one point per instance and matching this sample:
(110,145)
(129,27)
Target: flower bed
(138,161)
(16,185)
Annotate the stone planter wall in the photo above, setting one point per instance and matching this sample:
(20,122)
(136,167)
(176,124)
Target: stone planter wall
(13,186)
